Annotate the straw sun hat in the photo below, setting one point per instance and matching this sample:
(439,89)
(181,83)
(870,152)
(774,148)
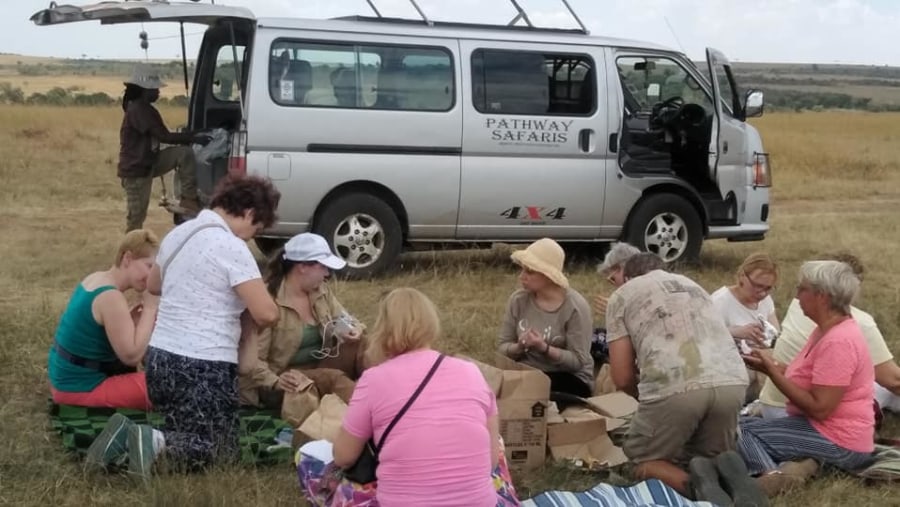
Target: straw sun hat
(546,257)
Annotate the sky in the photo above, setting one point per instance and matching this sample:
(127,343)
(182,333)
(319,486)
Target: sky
(797,31)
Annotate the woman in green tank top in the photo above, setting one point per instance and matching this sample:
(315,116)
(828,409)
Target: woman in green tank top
(99,341)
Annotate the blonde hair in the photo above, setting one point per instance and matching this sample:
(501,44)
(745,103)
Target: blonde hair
(140,243)
(758,262)
(407,320)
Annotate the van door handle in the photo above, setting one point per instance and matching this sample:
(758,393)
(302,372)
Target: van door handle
(584,139)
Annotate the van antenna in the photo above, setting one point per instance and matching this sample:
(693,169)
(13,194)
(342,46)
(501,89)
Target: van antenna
(677,40)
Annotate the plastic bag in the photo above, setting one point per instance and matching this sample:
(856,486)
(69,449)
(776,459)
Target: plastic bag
(216,148)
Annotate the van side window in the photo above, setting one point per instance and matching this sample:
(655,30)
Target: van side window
(649,80)
(314,74)
(524,82)
(224,86)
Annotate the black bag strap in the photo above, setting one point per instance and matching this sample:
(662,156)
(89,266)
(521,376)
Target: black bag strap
(412,398)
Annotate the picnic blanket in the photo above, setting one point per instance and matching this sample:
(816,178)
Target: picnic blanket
(887,462)
(79,426)
(650,493)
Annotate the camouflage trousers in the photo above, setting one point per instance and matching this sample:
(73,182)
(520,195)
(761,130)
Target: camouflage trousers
(138,189)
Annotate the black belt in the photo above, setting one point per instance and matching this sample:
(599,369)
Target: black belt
(108,367)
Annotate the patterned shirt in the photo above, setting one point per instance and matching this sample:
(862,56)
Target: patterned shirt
(679,338)
(199,311)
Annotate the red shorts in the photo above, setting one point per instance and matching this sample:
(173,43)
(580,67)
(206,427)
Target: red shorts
(119,391)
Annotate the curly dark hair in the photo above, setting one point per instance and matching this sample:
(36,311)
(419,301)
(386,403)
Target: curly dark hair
(237,195)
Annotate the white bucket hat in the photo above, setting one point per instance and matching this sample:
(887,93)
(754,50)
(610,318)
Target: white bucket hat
(309,247)
(146,78)
(546,257)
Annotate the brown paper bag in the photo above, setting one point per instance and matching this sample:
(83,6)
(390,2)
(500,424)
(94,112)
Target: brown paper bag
(324,423)
(300,403)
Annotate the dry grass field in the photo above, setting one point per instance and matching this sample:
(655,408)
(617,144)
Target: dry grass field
(837,186)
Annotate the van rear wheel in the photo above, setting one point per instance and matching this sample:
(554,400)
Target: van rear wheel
(668,226)
(364,231)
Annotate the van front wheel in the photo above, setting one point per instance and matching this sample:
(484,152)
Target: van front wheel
(668,226)
(364,231)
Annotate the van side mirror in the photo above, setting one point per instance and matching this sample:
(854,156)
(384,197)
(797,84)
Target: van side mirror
(754,104)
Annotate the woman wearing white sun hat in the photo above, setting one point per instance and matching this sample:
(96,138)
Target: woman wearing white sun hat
(315,339)
(548,324)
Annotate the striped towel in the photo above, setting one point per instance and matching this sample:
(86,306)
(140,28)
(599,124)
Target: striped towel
(886,466)
(650,493)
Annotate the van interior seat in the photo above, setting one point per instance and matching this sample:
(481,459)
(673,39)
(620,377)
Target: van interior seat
(394,86)
(343,83)
(517,83)
(300,72)
(429,88)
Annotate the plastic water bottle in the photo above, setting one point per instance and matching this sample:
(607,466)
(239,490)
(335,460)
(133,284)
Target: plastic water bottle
(285,436)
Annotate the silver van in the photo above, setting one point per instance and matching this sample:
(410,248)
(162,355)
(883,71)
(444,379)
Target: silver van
(384,134)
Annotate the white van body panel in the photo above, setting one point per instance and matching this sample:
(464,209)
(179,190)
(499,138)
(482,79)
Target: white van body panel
(451,163)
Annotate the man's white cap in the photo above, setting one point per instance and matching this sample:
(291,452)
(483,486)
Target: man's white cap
(309,247)
(145,77)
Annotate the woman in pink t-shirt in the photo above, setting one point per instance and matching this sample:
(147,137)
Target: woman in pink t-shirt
(442,450)
(828,386)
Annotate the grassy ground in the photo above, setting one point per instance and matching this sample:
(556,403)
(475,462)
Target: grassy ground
(837,185)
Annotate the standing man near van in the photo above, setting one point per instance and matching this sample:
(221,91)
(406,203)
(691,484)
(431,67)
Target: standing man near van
(141,159)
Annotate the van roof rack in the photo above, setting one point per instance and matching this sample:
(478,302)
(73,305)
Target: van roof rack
(520,16)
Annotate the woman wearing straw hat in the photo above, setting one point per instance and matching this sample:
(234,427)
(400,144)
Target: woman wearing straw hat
(140,157)
(548,324)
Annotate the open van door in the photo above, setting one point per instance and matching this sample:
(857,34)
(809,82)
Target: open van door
(728,107)
(139,11)
(713,59)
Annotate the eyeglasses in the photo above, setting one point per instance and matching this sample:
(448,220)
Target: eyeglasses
(759,287)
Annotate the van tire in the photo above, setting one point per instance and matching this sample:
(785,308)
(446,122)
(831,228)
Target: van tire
(667,225)
(375,242)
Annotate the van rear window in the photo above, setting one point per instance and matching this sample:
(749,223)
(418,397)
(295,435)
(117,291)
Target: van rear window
(526,82)
(361,76)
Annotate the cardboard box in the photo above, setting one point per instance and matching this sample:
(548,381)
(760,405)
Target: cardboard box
(585,443)
(616,405)
(523,398)
(523,401)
